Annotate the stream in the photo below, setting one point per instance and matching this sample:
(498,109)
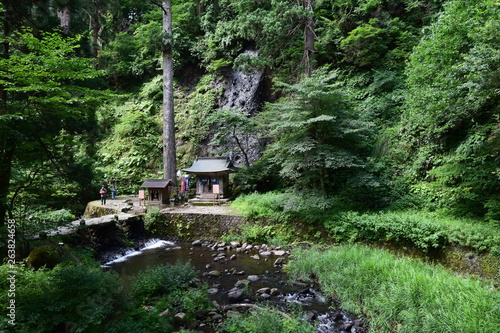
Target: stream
(224,265)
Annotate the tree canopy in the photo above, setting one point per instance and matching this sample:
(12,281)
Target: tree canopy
(407,111)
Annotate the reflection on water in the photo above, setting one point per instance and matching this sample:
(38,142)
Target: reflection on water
(242,265)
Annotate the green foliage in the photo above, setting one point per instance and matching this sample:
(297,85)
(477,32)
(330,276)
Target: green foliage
(130,150)
(259,177)
(189,301)
(169,287)
(258,234)
(400,294)
(152,218)
(46,114)
(79,298)
(398,227)
(267,320)
(365,44)
(161,280)
(422,230)
(450,119)
(317,138)
(139,320)
(45,256)
(192,119)
(136,52)
(43,219)
(236,130)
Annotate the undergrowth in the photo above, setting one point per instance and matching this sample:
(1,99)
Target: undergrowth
(400,295)
(420,229)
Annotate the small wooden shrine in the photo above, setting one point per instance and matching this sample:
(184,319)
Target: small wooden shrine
(158,190)
(212,176)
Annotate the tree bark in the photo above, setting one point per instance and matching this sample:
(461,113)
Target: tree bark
(64,15)
(309,38)
(6,151)
(169,151)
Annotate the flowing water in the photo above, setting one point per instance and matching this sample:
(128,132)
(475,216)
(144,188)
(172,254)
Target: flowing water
(235,265)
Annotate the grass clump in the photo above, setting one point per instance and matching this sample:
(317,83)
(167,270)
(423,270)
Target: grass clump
(400,295)
(171,287)
(162,280)
(268,320)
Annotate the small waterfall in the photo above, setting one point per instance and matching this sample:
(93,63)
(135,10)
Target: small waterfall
(150,245)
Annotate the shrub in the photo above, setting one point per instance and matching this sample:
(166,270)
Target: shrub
(78,298)
(162,280)
(152,218)
(399,227)
(423,230)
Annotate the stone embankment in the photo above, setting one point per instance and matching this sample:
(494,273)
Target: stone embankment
(123,218)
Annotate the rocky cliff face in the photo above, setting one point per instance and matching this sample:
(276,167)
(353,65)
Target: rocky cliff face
(243,90)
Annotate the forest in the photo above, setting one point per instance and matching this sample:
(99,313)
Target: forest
(369,121)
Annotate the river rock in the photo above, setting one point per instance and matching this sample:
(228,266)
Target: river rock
(241,283)
(235,244)
(256,257)
(279,253)
(233,314)
(265,253)
(165,313)
(279,262)
(217,317)
(196,243)
(264,290)
(265,296)
(179,317)
(213,291)
(274,292)
(253,278)
(233,257)
(235,295)
(214,273)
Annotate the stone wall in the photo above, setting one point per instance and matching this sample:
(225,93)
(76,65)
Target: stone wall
(191,226)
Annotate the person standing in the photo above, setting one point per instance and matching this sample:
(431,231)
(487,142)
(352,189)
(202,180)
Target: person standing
(113,192)
(104,194)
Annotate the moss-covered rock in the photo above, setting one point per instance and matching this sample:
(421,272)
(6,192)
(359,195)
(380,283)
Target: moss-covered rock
(43,256)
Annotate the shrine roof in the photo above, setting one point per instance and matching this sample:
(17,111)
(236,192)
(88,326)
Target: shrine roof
(212,165)
(157,183)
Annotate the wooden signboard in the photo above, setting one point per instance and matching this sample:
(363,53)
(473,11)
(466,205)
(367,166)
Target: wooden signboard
(142,198)
(215,189)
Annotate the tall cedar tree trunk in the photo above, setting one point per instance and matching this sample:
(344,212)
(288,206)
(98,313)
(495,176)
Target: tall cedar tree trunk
(6,148)
(169,153)
(64,15)
(309,37)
